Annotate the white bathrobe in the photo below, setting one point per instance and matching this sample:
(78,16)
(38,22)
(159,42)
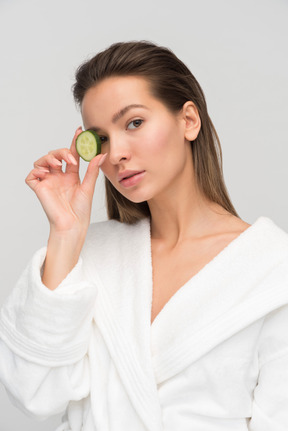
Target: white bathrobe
(214,359)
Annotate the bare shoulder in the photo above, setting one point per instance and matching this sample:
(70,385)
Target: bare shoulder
(224,223)
(237,224)
(225,227)
(230,226)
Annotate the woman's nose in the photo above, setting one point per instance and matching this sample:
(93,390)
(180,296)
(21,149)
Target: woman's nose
(118,150)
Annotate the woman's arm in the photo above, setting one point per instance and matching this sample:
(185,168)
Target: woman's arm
(67,203)
(44,340)
(270,403)
(46,322)
(40,391)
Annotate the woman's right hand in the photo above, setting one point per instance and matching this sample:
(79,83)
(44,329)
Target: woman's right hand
(66,202)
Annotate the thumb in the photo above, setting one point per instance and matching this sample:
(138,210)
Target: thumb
(89,180)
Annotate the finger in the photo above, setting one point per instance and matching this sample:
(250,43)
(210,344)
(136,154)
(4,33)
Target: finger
(71,168)
(36,176)
(73,144)
(49,162)
(64,154)
(89,180)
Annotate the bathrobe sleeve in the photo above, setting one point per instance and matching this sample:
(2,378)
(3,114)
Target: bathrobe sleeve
(44,338)
(270,403)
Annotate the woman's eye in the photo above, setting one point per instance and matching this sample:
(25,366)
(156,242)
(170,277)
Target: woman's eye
(103,139)
(135,123)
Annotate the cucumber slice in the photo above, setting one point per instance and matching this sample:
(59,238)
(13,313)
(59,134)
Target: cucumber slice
(88,145)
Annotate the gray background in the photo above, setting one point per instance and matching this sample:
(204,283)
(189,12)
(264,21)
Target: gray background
(236,49)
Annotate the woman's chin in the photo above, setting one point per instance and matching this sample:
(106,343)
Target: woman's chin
(137,198)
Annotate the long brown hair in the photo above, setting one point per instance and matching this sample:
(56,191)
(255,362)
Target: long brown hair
(173,84)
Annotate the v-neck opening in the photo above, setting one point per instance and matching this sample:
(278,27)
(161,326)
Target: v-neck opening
(204,269)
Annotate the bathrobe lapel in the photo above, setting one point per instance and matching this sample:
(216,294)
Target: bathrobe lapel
(246,281)
(123,276)
(241,284)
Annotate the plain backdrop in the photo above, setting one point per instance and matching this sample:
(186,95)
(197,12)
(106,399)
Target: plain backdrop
(236,49)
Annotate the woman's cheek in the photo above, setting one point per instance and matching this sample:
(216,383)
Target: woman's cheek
(104,148)
(106,171)
(157,140)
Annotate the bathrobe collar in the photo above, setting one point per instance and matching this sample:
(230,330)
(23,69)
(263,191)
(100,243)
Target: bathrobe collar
(243,283)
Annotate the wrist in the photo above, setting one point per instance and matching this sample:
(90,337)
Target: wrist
(75,235)
(63,251)
(68,245)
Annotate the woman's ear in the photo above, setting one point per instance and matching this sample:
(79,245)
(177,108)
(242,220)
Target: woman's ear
(192,120)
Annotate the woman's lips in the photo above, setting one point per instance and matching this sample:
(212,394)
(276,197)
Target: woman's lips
(132,180)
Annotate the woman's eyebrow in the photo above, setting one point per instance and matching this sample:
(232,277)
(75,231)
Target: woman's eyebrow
(120,114)
(123,111)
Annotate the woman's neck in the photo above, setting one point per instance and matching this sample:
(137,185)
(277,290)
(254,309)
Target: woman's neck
(187,214)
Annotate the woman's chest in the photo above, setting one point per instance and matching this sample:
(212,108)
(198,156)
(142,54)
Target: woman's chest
(172,269)
(168,277)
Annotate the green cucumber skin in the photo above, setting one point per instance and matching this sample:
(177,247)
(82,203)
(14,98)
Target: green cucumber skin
(98,144)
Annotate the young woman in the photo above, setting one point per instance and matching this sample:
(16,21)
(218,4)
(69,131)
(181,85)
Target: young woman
(171,315)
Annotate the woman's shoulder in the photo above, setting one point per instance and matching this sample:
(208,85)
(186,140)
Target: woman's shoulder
(275,236)
(260,225)
(110,244)
(115,227)
(114,233)
(273,341)
(266,246)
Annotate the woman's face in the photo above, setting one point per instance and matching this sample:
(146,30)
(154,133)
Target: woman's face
(146,146)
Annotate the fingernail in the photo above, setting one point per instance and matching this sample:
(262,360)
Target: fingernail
(102,160)
(57,162)
(43,169)
(72,159)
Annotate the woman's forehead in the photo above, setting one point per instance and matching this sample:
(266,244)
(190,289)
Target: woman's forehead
(114,96)
(119,85)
